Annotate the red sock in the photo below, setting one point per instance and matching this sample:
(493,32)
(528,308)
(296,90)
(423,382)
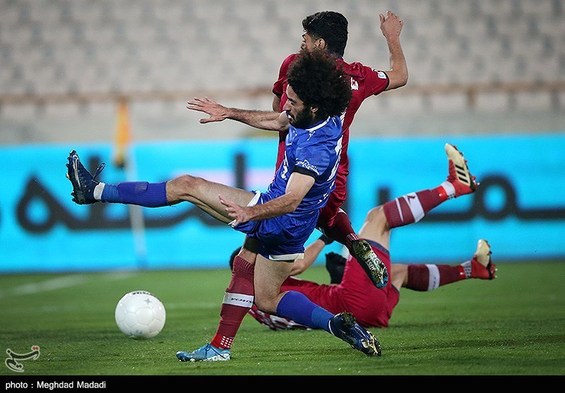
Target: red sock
(411,208)
(238,299)
(425,278)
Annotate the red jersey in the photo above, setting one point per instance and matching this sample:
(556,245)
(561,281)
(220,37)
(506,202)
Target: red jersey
(365,82)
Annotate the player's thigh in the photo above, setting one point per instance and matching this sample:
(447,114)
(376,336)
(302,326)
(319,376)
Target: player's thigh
(375,227)
(199,190)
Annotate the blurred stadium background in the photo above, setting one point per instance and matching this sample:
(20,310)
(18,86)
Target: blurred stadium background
(474,65)
(477,67)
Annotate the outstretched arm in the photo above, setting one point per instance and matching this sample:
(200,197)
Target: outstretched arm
(391,26)
(265,120)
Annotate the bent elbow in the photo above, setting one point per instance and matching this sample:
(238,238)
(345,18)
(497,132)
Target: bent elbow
(404,79)
(293,205)
(401,79)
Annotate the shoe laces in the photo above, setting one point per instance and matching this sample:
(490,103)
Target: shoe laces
(209,348)
(98,171)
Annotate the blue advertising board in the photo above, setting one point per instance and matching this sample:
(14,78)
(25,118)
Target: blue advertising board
(519,206)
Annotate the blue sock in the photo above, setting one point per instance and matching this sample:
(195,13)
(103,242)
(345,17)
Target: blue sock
(296,306)
(136,193)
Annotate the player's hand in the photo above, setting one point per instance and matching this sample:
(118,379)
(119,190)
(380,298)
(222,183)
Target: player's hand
(238,213)
(391,25)
(216,111)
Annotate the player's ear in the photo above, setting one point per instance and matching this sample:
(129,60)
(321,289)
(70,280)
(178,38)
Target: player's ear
(320,43)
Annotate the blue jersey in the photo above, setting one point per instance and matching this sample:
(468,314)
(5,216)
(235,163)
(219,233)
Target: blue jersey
(314,151)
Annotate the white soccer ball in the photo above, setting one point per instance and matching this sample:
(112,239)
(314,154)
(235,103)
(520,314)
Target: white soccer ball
(140,315)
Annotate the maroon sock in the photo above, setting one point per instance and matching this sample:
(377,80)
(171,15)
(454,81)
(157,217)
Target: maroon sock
(423,278)
(238,299)
(411,208)
(341,229)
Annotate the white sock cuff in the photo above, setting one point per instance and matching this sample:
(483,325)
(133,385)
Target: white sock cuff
(98,191)
(433,281)
(238,299)
(449,189)
(415,206)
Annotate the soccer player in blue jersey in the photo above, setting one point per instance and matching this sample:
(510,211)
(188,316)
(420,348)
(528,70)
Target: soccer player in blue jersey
(279,220)
(328,31)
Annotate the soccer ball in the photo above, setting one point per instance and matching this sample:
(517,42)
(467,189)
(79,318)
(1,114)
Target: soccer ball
(140,315)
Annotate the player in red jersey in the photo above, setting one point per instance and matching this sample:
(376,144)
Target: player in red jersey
(353,292)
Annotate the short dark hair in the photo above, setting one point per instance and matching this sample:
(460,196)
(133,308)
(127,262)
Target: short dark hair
(330,26)
(319,82)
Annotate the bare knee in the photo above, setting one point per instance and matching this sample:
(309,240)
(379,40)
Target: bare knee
(374,216)
(267,298)
(375,227)
(265,304)
(183,188)
(399,274)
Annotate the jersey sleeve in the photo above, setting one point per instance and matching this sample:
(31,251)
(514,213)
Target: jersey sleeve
(369,80)
(375,82)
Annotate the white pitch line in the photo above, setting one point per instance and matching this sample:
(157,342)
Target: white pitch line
(55,283)
(44,286)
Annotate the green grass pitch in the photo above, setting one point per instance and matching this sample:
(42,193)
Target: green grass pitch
(514,325)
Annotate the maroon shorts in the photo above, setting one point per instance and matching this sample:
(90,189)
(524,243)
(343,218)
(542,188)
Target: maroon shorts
(372,307)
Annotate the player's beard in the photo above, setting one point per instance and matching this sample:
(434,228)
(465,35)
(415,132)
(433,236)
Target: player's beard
(303,119)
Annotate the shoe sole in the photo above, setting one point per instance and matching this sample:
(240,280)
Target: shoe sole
(72,175)
(216,358)
(482,256)
(483,252)
(461,169)
(372,347)
(376,271)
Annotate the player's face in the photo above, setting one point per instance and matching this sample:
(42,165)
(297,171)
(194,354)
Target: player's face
(309,42)
(299,115)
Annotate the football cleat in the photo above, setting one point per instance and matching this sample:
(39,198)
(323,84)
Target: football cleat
(370,262)
(83,182)
(344,326)
(206,353)
(459,179)
(481,264)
